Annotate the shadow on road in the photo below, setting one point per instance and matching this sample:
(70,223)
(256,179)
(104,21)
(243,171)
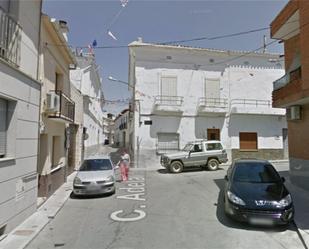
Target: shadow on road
(186,170)
(228,222)
(72,196)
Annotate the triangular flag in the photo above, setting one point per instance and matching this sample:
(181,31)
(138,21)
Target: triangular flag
(111,35)
(124,3)
(90,49)
(94,43)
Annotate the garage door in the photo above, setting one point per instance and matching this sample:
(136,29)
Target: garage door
(167,142)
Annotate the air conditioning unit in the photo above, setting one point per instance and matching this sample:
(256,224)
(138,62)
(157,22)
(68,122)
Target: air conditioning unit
(294,113)
(52,102)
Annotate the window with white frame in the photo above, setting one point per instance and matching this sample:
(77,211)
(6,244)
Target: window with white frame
(3,126)
(168,90)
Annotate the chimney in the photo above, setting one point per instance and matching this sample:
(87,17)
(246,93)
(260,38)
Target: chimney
(64,29)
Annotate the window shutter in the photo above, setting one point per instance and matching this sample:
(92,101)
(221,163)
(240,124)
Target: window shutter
(248,141)
(168,142)
(169,86)
(212,88)
(3,126)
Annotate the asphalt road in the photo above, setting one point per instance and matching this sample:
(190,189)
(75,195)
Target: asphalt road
(159,210)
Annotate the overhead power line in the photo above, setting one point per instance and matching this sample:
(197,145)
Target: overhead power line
(216,37)
(176,41)
(180,41)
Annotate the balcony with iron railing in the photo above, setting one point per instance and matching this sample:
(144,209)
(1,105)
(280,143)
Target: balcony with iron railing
(287,88)
(212,106)
(254,106)
(168,104)
(64,108)
(10,39)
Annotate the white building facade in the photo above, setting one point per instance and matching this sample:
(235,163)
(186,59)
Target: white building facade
(109,128)
(182,94)
(57,107)
(19,110)
(121,127)
(86,79)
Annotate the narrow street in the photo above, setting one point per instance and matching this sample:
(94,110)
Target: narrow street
(182,211)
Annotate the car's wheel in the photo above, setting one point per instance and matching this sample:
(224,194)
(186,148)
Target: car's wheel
(212,164)
(176,167)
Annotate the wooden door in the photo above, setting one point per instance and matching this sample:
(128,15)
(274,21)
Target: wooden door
(213,134)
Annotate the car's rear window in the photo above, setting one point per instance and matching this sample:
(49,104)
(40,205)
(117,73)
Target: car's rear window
(214,146)
(255,173)
(96,165)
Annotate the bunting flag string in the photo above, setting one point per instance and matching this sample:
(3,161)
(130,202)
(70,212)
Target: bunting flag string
(111,35)
(123,3)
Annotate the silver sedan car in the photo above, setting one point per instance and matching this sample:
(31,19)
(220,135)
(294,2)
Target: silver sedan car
(95,176)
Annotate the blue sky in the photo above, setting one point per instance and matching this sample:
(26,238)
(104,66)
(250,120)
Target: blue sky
(160,21)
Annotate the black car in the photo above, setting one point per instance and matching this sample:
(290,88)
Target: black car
(255,193)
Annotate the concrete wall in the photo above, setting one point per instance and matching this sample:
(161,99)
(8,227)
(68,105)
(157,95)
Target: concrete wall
(18,169)
(79,122)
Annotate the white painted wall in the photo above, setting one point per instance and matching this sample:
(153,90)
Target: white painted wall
(18,170)
(86,78)
(28,14)
(249,77)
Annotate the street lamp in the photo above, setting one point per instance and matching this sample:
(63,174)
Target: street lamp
(111,78)
(134,101)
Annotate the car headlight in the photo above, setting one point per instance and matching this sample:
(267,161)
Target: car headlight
(235,199)
(286,201)
(110,179)
(77,181)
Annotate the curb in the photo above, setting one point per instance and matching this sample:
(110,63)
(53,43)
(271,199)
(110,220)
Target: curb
(23,234)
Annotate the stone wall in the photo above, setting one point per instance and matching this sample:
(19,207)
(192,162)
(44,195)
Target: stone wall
(267,154)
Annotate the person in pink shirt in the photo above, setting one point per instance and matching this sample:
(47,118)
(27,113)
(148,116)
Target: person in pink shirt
(124,165)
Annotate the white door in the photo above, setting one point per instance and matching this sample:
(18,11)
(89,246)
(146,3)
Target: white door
(168,90)
(212,88)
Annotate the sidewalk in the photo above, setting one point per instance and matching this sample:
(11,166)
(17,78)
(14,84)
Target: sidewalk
(301,204)
(22,235)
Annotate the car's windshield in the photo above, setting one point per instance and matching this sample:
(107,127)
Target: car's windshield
(255,173)
(188,147)
(96,165)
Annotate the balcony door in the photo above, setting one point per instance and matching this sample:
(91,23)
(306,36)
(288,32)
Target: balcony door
(212,88)
(168,90)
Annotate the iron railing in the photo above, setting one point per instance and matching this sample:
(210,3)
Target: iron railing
(169,100)
(213,102)
(10,38)
(287,78)
(251,103)
(66,108)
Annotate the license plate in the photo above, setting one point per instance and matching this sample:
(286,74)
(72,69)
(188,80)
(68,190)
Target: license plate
(93,187)
(261,221)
